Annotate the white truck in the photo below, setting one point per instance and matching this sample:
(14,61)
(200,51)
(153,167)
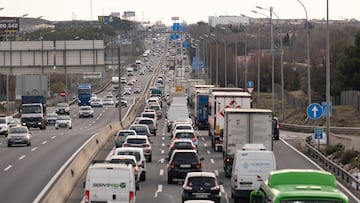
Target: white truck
(218,102)
(115,84)
(243,126)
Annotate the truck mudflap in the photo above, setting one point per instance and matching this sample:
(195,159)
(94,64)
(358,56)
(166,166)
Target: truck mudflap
(228,162)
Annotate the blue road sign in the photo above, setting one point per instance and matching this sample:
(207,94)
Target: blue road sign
(314,111)
(250,84)
(318,133)
(176,26)
(324,109)
(185,45)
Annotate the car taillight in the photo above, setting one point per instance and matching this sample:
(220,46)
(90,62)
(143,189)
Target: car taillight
(87,196)
(198,165)
(126,145)
(193,147)
(172,165)
(145,145)
(228,160)
(143,164)
(136,169)
(193,139)
(186,187)
(278,126)
(131,196)
(235,180)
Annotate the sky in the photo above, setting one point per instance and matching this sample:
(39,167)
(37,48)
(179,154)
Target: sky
(189,11)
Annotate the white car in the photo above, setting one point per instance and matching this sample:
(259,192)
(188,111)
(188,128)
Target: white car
(128,160)
(86,111)
(4,125)
(108,101)
(139,155)
(141,141)
(97,102)
(63,122)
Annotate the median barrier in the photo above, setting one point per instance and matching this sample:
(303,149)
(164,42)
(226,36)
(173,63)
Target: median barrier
(62,184)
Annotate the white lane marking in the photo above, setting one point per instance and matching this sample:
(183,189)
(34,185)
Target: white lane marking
(208,151)
(163,144)
(7,168)
(53,137)
(161,160)
(216,172)
(223,191)
(44,142)
(162,151)
(202,138)
(158,190)
(97,118)
(212,161)
(161,172)
(163,138)
(33,149)
(205,145)
(22,157)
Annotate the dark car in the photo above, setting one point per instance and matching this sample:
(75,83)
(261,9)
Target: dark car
(276,128)
(182,162)
(201,186)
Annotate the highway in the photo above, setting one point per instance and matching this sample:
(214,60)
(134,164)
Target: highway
(25,171)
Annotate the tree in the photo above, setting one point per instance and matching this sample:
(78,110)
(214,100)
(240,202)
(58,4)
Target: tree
(349,66)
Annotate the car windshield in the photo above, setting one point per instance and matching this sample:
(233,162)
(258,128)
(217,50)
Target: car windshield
(63,118)
(86,108)
(18,130)
(62,105)
(185,135)
(185,157)
(139,130)
(201,181)
(123,161)
(183,127)
(136,154)
(155,107)
(2,120)
(136,141)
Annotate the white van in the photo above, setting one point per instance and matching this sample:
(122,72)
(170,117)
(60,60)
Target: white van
(106,182)
(250,168)
(139,155)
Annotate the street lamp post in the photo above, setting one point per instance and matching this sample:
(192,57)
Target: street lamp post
(217,59)
(211,64)
(225,63)
(272,58)
(307,52)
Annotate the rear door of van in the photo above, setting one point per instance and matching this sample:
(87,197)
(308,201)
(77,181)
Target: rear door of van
(110,184)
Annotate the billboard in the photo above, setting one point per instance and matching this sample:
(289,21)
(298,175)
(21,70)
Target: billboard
(9,24)
(129,13)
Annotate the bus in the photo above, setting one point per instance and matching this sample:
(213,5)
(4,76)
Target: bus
(84,94)
(298,186)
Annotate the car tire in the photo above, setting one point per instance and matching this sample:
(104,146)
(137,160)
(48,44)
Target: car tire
(150,158)
(29,144)
(70,128)
(9,145)
(169,180)
(143,176)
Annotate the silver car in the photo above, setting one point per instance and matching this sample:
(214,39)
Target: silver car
(86,111)
(19,135)
(63,122)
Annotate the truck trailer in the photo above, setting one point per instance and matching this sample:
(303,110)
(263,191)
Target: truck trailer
(218,102)
(243,126)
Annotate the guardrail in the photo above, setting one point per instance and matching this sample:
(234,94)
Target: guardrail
(310,129)
(350,181)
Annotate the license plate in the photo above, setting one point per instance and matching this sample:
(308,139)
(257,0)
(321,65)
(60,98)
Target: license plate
(185,165)
(201,195)
(245,185)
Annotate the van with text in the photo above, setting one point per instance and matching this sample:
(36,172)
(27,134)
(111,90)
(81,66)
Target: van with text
(109,182)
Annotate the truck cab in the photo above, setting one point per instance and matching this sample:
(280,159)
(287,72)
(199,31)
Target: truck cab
(33,111)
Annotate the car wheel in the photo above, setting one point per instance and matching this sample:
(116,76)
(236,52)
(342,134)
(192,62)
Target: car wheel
(169,180)
(9,145)
(29,144)
(70,128)
(57,128)
(150,158)
(143,177)
(236,200)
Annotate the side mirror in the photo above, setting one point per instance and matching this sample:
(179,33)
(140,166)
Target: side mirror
(167,159)
(201,159)
(257,197)
(84,184)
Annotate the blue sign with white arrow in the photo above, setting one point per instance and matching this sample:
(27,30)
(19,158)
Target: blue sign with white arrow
(314,111)
(250,83)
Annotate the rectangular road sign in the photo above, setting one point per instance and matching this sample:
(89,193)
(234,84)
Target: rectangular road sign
(324,109)
(9,24)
